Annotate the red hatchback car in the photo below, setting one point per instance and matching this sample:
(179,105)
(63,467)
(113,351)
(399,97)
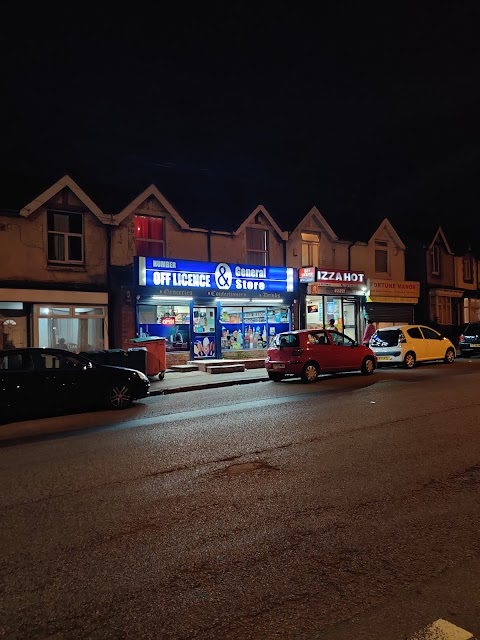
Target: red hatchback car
(309,352)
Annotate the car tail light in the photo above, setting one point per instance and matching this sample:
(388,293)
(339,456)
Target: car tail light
(297,352)
(462,338)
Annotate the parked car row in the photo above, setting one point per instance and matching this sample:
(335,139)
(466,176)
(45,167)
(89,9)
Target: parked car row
(307,353)
(33,380)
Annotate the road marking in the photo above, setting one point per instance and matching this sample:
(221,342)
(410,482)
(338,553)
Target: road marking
(442,630)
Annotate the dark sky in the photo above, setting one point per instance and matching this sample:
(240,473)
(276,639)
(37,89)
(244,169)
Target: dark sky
(358,109)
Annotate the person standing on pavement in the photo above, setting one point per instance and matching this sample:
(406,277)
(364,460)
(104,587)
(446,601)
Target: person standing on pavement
(368,333)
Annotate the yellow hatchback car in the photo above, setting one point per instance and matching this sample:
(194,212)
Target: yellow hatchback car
(409,344)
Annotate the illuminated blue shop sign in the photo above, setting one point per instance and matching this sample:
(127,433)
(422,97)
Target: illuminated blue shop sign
(214,277)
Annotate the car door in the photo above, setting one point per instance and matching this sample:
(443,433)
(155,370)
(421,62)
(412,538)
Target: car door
(344,354)
(19,385)
(321,349)
(434,344)
(68,380)
(415,342)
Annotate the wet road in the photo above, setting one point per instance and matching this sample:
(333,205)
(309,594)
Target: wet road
(344,509)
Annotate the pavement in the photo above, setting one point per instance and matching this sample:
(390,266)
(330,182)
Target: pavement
(178,382)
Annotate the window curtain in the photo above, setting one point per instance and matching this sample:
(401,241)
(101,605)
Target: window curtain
(148,230)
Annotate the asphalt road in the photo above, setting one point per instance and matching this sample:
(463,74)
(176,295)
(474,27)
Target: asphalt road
(348,509)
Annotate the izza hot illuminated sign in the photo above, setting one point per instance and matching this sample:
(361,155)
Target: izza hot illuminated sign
(214,278)
(338,278)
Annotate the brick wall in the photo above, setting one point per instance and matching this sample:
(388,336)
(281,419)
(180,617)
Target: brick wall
(127,324)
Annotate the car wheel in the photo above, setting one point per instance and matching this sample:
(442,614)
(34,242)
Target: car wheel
(275,377)
(310,372)
(368,366)
(450,356)
(119,396)
(409,360)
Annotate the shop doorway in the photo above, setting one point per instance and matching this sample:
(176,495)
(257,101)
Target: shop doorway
(204,332)
(350,318)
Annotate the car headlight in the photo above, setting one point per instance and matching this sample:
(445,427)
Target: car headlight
(143,377)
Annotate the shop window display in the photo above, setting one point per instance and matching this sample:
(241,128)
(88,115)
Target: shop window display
(171,322)
(251,327)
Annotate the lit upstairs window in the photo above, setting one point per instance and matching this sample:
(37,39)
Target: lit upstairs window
(65,237)
(149,237)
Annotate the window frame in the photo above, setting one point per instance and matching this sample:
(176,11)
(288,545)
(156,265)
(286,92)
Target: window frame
(381,247)
(310,249)
(66,235)
(435,260)
(157,241)
(467,272)
(250,252)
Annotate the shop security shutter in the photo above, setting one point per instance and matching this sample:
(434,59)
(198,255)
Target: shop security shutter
(383,312)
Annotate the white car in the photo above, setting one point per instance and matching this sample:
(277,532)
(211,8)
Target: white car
(409,344)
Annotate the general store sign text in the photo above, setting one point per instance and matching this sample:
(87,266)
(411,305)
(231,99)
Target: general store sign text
(214,276)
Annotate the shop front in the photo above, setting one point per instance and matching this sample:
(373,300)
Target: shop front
(74,320)
(213,310)
(334,295)
(391,302)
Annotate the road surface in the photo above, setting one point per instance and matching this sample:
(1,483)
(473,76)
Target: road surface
(347,509)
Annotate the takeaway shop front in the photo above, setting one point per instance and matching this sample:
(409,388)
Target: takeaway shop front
(337,295)
(391,302)
(211,309)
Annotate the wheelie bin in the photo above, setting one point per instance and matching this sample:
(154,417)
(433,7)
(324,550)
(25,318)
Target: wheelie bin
(137,358)
(156,354)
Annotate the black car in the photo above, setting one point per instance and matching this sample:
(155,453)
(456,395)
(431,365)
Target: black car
(32,380)
(469,341)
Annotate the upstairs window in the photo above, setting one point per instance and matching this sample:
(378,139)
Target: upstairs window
(435,260)
(65,237)
(381,256)
(467,269)
(310,247)
(257,247)
(149,237)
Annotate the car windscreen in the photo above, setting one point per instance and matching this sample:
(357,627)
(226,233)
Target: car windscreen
(385,338)
(472,329)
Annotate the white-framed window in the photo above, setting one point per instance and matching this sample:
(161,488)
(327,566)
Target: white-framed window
(257,246)
(435,260)
(149,236)
(467,269)
(310,249)
(381,256)
(73,327)
(65,237)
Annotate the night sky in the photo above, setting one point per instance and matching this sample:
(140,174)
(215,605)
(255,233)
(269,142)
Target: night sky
(360,111)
